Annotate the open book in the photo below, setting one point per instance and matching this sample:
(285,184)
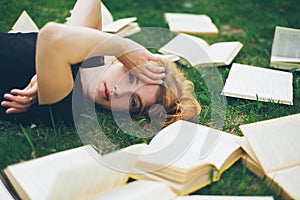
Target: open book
(184,156)
(187,156)
(191,23)
(250,82)
(123,27)
(275,144)
(24,24)
(286,48)
(79,173)
(197,51)
(149,190)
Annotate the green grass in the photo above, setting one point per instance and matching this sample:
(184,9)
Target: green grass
(251,22)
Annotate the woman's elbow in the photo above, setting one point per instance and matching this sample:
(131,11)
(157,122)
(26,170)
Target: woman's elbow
(51,35)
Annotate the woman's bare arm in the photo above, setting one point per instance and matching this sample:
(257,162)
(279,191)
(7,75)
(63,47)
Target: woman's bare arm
(86,13)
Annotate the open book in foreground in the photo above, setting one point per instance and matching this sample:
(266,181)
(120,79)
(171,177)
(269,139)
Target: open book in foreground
(197,51)
(273,148)
(149,190)
(184,156)
(187,156)
(257,83)
(191,23)
(24,24)
(286,48)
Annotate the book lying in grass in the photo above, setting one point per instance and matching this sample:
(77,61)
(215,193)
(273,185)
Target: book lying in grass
(78,173)
(184,156)
(24,24)
(275,144)
(197,51)
(286,48)
(123,27)
(191,23)
(257,83)
(187,156)
(149,190)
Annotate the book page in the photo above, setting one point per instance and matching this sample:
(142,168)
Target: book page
(286,43)
(224,52)
(182,146)
(96,176)
(107,17)
(4,193)
(191,48)
(24,24)
(118,24)
(70,172)
(247,148)
(191,23)
(288,180)
(248,82)
(275,142)
(146,190)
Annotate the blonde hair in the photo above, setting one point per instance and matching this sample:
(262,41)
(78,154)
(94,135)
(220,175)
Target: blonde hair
(176,97)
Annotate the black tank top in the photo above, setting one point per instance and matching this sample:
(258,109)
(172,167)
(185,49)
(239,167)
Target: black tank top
(17,67)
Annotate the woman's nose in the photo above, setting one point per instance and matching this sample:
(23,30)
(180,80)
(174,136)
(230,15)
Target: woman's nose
(121,90)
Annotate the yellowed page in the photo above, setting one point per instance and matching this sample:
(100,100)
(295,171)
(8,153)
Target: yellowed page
(275,142)
(137,190)
(247,148)
(224,52)
(191,48)
(186,145)
(78,171)
(118,24)
(288,180)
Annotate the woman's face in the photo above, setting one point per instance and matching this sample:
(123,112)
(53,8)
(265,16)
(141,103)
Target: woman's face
(119,89)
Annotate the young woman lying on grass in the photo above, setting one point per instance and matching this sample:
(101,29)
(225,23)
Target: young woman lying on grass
(49,61)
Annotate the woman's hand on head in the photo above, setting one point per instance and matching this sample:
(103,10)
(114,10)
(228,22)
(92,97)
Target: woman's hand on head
(140,63)
(20,100)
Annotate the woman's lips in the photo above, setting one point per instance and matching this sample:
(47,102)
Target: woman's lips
(105,92)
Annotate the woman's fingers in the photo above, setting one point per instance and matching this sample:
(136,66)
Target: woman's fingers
(15,110)
(23,100)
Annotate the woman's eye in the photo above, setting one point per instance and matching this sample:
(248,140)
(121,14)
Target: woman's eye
(132,102)
(131,77)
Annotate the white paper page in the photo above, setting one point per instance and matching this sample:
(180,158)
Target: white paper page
(118,24)
(107,17)
(137,190)
(193,49)
(284,59)
(289,180)
(24,24)
(4,193)
(247,148)
(42,177)
(245,81)
(185,142)
(96,176)
(286,43)
(193,23)
(224,52)
(275,142)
